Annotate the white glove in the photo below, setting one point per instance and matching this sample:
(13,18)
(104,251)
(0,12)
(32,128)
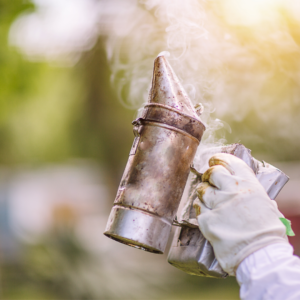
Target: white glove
(235,213)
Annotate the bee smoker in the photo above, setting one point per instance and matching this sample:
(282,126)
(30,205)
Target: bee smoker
(166,139)
(190,251)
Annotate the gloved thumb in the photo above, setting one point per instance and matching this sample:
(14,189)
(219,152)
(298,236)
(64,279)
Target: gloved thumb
(200,207)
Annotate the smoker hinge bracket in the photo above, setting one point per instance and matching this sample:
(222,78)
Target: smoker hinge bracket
(136,126)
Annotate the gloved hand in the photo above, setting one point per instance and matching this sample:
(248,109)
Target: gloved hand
(235,214)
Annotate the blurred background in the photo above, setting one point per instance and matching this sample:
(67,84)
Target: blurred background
(73,75)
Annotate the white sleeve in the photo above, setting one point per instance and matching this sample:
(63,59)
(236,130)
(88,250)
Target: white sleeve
(271,273)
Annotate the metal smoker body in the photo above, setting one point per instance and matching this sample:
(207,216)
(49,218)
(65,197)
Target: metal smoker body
(166,139)
(190,251)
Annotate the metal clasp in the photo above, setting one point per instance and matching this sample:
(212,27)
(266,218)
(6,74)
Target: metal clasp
(194,171)
(136,126)
(191,223)
(199,109)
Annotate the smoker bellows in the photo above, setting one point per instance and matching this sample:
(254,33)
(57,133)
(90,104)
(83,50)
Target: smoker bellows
(190,251)
(166,139)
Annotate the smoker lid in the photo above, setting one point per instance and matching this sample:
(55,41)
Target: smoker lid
(166,89)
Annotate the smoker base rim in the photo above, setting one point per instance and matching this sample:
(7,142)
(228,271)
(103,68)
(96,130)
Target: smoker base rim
(127,226)
(132,243)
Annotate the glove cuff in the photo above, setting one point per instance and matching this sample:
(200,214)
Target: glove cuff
(249,249)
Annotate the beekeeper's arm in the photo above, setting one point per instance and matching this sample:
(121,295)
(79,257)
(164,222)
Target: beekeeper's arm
(242,223)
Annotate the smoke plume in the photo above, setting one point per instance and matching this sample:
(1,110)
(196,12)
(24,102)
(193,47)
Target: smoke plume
(233,56)
(239,58)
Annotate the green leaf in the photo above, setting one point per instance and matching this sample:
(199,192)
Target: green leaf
(287,223)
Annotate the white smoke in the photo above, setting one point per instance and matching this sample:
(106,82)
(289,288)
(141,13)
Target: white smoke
(233,56)
(179,27)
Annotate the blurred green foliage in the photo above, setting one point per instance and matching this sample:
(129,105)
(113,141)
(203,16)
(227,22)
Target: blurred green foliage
(51,113)
(103,130)
(35,104)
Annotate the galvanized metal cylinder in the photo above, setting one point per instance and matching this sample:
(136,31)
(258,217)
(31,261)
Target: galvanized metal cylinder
(166,140)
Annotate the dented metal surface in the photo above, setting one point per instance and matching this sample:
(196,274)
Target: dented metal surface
(166,139)
(190,251)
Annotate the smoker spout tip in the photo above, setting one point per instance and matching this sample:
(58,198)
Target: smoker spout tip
(164,53)
(167,90)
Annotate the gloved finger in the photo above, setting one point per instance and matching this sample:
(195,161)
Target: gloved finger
(233,164)
(207,194)
(199,207)
(219,177)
